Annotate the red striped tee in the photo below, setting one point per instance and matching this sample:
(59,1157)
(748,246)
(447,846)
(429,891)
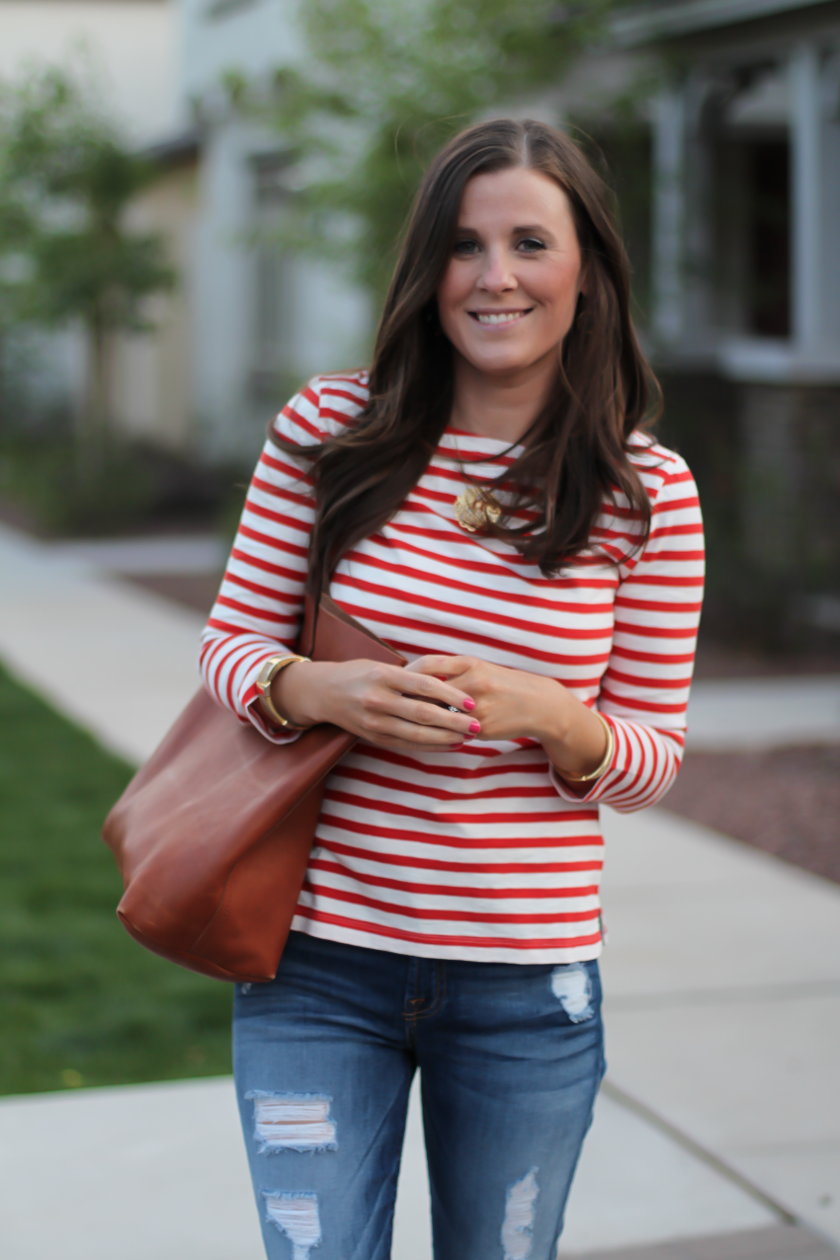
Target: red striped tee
(483,853)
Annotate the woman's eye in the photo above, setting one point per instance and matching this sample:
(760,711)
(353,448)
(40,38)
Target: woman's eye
(466,248)
(530,244)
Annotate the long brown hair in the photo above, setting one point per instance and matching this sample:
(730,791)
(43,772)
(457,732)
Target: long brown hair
(576,451)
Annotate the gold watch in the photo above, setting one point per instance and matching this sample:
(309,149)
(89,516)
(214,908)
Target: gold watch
(266,676)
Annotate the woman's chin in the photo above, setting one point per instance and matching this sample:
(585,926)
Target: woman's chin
(502,366)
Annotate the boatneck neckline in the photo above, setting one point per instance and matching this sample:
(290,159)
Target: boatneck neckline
(452,432)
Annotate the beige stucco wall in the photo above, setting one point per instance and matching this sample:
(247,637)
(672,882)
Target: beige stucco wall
(153,370)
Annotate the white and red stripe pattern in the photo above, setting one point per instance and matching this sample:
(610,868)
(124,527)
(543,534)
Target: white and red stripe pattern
(482,853)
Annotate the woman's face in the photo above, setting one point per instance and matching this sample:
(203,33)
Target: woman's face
(508,296)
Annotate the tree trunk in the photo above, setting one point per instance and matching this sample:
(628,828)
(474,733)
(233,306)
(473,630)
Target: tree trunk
(94,427)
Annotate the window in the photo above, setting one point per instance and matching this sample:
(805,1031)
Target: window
(218,9)
(273,288)
(753,204)
(768,294)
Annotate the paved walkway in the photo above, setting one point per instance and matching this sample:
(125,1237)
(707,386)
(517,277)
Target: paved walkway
(738,715)
(720,1117)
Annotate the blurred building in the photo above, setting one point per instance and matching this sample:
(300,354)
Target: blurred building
(262,321)
(729,184)
(128,51)
(246,324)
(744,197)
(745,301)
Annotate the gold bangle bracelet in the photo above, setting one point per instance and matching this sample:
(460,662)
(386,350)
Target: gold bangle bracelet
(605,761)
(269,671)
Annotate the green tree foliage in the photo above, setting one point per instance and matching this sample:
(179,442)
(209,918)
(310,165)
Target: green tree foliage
(387,83)
(66,181)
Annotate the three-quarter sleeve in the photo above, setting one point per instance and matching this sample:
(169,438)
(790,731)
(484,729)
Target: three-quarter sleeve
(259,608)
(644,691)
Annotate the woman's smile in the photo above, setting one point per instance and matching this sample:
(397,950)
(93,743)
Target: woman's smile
(499,319)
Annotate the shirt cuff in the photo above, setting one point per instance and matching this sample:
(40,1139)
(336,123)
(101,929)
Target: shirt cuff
(275,734)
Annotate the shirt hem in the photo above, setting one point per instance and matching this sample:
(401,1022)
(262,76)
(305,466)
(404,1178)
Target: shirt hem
(461,953)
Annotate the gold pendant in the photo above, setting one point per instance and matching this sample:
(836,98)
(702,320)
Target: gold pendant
(474,508)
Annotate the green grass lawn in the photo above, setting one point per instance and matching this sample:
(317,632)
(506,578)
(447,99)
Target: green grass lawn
(80,1002)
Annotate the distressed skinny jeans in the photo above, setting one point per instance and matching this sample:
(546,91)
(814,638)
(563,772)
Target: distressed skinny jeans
(510,1056)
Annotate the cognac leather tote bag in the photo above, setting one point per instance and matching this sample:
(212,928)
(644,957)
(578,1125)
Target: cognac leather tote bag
(212,836)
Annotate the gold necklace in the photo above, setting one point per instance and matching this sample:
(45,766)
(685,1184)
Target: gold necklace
(474,508)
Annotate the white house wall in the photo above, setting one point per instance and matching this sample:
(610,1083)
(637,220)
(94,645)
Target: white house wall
(335,320)
(153,370)
(253,36)
(329,317)
(222,311)
(131,46)
(328,322)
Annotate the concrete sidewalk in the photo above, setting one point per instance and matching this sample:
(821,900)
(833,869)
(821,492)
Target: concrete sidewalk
(739,715)
(176,1149)
(721,1112)
(722,978)
(117,660)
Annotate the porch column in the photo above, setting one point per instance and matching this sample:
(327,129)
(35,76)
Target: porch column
(668,213)
(806,198)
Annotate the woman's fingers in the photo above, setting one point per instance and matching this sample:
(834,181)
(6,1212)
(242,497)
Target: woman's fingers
(429,674)
(412,737)
(448,666)
(407,746)
(411,717)
(375,700)
(388,705)
(412,708)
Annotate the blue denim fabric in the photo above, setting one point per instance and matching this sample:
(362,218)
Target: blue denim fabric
(511,1057)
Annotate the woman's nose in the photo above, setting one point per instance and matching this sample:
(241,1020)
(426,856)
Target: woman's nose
(497,276)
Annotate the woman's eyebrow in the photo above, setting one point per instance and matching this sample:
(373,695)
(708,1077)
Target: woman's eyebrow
(514,231)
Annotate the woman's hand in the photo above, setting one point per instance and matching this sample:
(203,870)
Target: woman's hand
(513,704)
(407,709)
(383,704)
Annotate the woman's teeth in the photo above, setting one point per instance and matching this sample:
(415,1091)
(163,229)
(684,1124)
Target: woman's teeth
(503,318)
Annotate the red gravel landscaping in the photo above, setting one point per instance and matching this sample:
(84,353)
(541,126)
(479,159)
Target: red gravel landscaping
(786,801)
(195,590)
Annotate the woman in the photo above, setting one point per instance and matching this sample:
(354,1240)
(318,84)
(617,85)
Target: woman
(484,501)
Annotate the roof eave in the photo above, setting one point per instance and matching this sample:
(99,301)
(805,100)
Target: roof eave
(645,25)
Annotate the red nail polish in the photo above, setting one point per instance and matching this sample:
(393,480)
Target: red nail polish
(469,704)
(475,727)
(455,747)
